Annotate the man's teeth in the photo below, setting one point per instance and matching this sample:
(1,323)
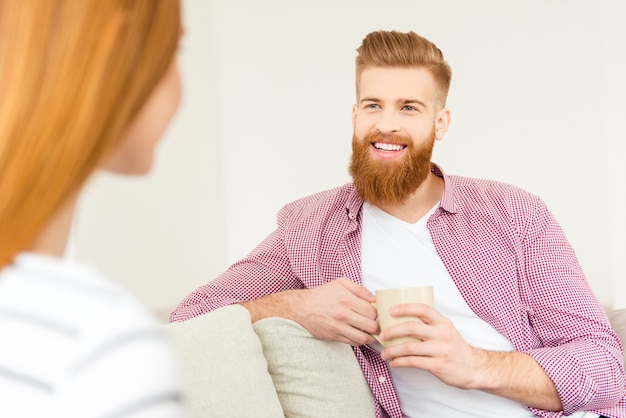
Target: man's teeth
(387,146)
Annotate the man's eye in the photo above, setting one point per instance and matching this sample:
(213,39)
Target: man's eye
(372,106)
(409,108)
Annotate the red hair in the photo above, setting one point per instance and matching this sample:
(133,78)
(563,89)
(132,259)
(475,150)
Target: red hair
(398,49)
(74,75)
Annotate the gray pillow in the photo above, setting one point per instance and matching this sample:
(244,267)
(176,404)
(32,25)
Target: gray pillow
(224,371)
(313,378)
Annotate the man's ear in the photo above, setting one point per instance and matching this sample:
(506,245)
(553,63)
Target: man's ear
(354,109)
(442,123)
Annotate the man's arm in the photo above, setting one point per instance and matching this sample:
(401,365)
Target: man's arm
(340,310)
(579,350)
(264,271)
(444,353)
(517,376)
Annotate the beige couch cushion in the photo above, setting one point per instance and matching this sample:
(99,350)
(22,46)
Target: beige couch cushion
(224,370)
(231,371)
(313,378)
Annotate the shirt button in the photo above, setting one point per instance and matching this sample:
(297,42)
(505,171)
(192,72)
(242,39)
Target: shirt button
(382,379)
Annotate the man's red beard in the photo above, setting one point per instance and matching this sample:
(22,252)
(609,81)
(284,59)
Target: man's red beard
(384,182)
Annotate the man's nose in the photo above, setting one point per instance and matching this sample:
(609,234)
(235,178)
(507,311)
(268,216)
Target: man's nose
(388,122)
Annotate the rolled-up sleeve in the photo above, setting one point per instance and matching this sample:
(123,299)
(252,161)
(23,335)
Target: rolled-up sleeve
(580,351)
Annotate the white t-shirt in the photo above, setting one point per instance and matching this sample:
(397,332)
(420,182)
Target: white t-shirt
(73,344)
(394,254)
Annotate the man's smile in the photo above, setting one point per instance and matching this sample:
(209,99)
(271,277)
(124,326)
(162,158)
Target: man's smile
(388,150)
(386,146)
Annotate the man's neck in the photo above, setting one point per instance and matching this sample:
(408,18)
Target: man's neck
(419,203)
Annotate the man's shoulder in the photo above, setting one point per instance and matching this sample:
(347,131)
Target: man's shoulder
(488,204)
(471,187)
(476,195)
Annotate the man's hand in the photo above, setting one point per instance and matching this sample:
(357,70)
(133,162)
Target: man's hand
(340,310)
(444,353)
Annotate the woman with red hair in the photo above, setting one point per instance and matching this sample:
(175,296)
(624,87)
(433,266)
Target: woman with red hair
(86,85)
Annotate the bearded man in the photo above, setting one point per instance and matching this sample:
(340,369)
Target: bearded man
(516,330)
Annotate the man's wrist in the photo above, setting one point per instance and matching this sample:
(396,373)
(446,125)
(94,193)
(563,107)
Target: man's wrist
(273,305)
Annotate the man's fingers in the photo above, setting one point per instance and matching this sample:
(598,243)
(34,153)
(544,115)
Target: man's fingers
(357,337)
(426,313)
(357,289)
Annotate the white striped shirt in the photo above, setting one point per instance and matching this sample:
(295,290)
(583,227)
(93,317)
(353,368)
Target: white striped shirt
(73,344)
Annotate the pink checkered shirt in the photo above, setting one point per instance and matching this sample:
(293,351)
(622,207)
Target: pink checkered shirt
(506,254)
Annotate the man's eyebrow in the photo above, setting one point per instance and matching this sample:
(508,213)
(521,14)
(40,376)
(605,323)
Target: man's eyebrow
(399,101)
(412,101)
(369,99)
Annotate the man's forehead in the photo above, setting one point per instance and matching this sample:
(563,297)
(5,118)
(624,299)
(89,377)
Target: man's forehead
(396,83)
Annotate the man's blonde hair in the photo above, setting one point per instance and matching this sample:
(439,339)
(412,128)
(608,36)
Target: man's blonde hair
(398,49)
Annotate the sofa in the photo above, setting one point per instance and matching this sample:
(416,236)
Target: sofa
(273,368)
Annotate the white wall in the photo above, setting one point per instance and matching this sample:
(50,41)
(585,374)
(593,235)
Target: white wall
(536,100)
(614,133)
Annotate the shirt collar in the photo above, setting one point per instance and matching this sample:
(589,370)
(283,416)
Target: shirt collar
(447,200)
(355,202)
